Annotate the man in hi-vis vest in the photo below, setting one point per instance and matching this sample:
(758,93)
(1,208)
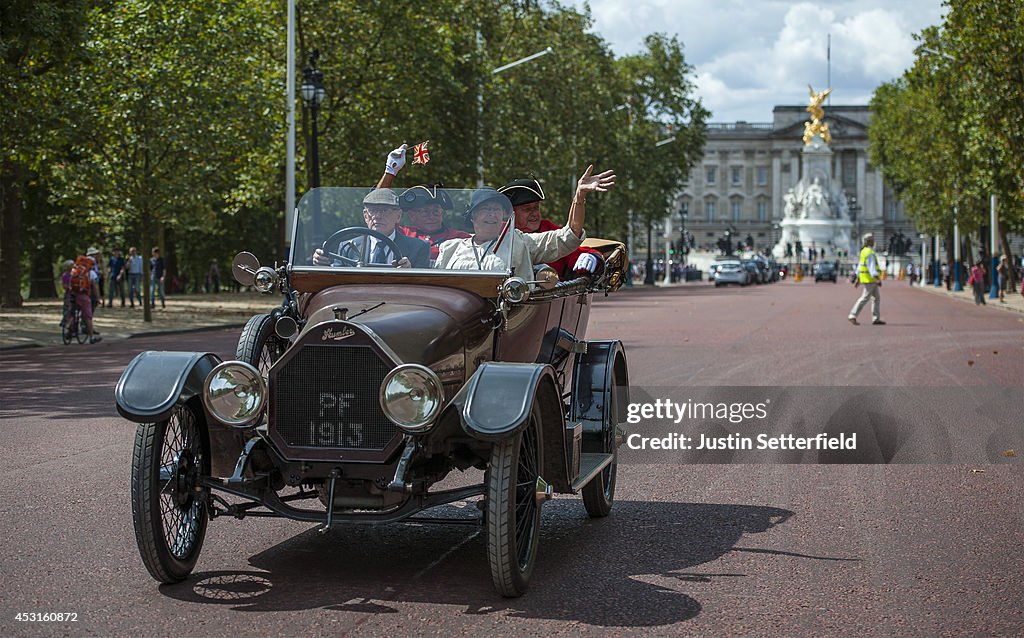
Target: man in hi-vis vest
(867,275)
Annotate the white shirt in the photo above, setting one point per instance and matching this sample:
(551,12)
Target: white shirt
(519,250)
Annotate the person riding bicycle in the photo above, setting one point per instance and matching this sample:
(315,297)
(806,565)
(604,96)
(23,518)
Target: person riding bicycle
(83,293)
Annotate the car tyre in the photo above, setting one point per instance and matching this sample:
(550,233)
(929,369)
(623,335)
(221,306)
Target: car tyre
(599,493)
(258,344)
(169,515)
(512,511)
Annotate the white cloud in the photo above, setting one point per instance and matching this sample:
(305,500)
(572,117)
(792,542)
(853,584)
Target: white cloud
(751,56)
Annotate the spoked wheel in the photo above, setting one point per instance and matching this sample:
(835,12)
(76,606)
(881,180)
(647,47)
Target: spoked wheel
(513,511)
(70,328)
(170,521)
(258,344)
(74,328)
(599,493)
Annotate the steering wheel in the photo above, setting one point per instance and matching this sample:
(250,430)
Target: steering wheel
(350,233)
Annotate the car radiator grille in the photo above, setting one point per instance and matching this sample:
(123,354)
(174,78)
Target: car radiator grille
(326,396)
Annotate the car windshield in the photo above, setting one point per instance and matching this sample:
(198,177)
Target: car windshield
(404,231)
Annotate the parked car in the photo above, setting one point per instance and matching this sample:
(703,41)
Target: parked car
(731,272)
(825,271)
(754,271)
(370,384)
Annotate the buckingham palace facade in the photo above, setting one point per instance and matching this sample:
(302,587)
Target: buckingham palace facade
(748,167)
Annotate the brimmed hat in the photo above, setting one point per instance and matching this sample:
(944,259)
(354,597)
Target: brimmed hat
(381,197)
(92,251)
(867,237)
(482,196)
(418,196)
(523,191)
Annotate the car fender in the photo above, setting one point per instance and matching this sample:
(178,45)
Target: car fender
(496,401)
(600,393)
(154,382)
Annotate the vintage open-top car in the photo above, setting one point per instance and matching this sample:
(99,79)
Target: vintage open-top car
(369,385)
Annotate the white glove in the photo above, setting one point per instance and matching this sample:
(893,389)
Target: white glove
(586,263)
(395,161)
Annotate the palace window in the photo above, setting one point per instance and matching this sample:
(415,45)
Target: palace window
(737,175)
(762,211)
(709,174)
(762,175)
(736,206)
(709,209)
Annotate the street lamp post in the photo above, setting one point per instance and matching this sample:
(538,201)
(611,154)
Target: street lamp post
(957,286)
(313,94)
(480,103)
(993,292)
(649,270)
(924,259)
(938,265)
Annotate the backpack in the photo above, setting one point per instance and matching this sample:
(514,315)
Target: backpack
(80,281)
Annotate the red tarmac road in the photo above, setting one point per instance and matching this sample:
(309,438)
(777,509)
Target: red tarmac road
(764,550)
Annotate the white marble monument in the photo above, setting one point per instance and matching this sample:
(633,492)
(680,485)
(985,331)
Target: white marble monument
(816,210)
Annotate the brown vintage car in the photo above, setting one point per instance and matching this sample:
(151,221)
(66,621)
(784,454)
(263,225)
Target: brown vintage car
(367,387)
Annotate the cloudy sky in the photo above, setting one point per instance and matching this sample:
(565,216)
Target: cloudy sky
(750,55)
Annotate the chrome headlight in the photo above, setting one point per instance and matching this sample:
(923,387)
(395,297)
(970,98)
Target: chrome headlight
(265,279)
(411,396)
(234,393)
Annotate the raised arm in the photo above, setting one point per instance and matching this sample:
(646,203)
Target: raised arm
(589,183)
(394,164)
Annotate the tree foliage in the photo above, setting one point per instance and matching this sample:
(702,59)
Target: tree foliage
(171,125)
(950,132)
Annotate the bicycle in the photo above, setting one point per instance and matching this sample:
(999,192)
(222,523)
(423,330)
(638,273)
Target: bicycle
(73,328)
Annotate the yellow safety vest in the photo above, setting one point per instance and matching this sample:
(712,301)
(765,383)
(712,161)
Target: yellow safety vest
(863,274)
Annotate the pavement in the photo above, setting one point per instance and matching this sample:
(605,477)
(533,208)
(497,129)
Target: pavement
(36,324)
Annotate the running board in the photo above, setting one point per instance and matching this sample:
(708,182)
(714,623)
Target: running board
(591,464)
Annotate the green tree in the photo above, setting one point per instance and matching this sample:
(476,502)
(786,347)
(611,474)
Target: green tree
(40,44)
(176,117)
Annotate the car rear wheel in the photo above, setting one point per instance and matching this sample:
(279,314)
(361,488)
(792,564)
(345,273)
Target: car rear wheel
(170,518)
(258,344)
(513,512)
(599,493)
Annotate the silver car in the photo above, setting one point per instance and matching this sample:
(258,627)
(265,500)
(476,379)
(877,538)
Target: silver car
(731,272)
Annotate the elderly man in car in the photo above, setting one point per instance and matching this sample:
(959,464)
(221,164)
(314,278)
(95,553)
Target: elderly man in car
(381,213)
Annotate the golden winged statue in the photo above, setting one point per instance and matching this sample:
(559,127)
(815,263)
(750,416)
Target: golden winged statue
(816,126)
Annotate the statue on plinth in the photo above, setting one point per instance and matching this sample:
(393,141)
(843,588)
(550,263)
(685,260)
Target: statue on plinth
(816,126)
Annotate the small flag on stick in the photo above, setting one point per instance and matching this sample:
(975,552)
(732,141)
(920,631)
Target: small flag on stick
(419,153)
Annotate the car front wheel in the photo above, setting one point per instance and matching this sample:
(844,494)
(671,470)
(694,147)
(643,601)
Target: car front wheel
(513,511)
(259,344)
(170,518)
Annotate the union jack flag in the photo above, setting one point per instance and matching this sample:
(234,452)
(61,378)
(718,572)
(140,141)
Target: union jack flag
(419,153)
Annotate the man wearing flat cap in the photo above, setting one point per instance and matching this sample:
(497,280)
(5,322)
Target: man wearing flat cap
(381,213)
(526,196)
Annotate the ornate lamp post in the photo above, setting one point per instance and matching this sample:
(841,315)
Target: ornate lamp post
(313,94)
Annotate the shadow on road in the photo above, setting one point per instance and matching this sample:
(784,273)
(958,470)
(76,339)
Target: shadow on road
(628,570)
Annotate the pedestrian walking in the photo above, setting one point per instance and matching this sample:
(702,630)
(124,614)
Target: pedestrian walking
(868,276)
(97,294)
(156,278)
(977,282)
(134,276)
(1003,276)
(115,270)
